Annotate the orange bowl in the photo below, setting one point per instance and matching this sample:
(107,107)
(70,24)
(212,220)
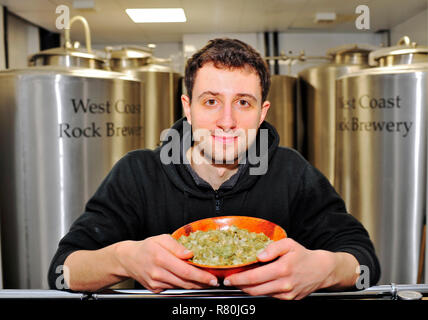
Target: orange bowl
(252,224)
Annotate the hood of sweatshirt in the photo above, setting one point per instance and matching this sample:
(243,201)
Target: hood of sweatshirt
(179,138)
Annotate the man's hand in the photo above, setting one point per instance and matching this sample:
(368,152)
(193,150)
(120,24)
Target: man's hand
(297,272)
(157,263)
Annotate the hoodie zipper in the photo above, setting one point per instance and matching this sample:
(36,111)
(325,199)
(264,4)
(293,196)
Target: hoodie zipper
(217,202)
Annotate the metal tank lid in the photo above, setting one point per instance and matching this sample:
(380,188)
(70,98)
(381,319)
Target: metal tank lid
(67,57)
(128,52)
(48,70)
(405,52)
(351,53)
(394,69)
(128,57)
(70,55)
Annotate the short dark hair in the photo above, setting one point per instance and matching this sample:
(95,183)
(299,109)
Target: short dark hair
(227,53)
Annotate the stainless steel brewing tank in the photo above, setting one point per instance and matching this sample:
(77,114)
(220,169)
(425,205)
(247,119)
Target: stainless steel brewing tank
(381,155)
(61,131)
(160,93)
(282,113)
(317,89)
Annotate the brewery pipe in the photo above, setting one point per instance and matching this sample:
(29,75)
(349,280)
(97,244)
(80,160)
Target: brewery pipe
(301,57)
(68,43)
(275,51)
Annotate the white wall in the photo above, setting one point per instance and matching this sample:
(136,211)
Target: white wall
(416,28)
(166,49)
(2,52)
(23,40)
(317,44)
(314,44)
(193,42)
(2,66)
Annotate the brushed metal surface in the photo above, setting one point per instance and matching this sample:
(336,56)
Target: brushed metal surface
(381,161)
(67,61)
(282,113)
(162,101)
(61,131)
(40,294)
(317,89)
(160,94)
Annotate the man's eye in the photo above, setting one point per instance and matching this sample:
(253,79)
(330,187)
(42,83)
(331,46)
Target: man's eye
(243,103)
(211,102)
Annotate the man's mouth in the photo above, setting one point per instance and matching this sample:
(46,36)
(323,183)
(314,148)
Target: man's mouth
(225,139)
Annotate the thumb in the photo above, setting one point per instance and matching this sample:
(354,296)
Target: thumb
(276,249)
(175,247)
(184,253)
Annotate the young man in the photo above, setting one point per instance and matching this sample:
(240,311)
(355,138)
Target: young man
(124,232)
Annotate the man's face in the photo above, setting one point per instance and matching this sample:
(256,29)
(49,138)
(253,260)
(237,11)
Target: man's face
(225,112)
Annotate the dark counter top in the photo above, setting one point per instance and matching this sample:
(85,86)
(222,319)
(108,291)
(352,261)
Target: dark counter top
(375,292)
(219,303)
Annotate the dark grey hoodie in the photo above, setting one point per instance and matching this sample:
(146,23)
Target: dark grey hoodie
(142,197)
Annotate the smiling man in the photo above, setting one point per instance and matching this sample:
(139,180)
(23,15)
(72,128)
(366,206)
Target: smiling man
(229,105)
(225,115)
(124,231)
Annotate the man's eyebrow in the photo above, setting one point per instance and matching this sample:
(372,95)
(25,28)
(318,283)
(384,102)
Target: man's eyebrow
(247,95)
(208,93)
(240,95)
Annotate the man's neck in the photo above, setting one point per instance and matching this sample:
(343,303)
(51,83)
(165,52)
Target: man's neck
(213,173)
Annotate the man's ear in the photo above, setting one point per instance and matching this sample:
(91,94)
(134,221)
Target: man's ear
(185,101)
(265,108)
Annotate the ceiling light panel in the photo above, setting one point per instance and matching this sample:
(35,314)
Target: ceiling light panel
(154,15)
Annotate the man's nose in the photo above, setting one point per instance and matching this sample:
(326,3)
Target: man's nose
(226,120)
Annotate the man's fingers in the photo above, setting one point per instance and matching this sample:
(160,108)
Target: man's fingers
(186,271)
(163,279)
(169,255)
(156,286)
(279,286)
(268,272)
(254,276)
(194,274)
(173,246)
(276,249)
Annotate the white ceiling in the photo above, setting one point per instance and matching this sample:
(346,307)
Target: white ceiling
(110,24)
